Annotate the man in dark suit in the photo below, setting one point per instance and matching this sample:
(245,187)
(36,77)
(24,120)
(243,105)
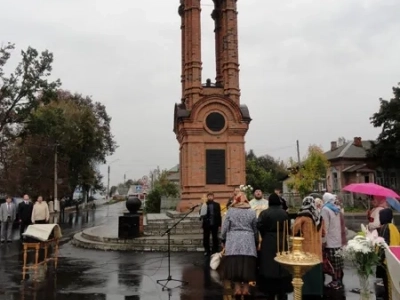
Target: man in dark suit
(25,214)
(212,221)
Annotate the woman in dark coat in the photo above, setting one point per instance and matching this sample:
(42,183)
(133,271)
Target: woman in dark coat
(275,280)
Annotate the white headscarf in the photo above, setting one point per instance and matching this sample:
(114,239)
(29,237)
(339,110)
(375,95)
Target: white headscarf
(329,198)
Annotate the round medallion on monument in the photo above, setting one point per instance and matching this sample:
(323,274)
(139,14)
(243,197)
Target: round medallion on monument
(133,204)
(215,122)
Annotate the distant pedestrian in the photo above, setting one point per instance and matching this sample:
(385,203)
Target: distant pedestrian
(62,206)
(25,214)
(40,212)
(212,220)
(8,213)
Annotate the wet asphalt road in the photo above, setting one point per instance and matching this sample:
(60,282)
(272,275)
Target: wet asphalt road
(98,275)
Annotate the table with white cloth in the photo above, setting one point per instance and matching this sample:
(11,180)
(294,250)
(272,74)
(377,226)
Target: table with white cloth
(393,265)
(37,237)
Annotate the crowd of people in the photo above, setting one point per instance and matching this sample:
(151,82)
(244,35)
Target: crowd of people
(252,231)
(26,212)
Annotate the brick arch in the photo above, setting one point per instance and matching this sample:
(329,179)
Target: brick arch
(216,103)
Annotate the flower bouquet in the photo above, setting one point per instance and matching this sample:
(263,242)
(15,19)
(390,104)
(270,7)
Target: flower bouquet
(247,190)
(363,252)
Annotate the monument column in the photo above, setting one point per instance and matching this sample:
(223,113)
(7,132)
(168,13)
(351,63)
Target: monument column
(211,123)
(217,17)
(181,11)
(230,66)
(193,51)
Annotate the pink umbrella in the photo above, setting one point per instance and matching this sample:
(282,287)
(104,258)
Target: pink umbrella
(370,189)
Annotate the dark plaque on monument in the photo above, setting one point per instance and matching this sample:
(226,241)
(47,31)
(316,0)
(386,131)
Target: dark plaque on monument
(215,166)
(129,224)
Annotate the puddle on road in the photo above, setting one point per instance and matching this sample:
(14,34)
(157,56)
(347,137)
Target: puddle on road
(97,275)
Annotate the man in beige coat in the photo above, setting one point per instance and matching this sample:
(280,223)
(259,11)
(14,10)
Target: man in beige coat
(40,213)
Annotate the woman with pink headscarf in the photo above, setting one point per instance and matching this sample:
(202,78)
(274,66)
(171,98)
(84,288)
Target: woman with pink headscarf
(378,203)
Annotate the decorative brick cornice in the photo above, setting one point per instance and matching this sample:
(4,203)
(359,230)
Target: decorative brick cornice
(238,131)
(218,101)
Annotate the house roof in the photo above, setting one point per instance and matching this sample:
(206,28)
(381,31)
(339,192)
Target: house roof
(349,150)
(357,168)
(174,176)
(174,169)
(122,190)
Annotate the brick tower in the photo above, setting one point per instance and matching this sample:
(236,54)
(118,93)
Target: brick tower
(210,123)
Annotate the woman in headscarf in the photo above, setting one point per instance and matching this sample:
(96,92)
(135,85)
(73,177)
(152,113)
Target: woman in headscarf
(239,234)
(318,204)
(392,237)
(274,280)
(310,226)
(335,238)
(378,203)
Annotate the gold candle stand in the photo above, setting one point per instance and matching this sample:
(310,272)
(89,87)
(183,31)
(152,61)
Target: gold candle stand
(298,263)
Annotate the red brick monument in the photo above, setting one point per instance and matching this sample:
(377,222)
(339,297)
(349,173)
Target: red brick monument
(210,123)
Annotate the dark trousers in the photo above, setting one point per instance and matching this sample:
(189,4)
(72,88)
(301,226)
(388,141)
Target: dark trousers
(40,222)
(386,285)
(22,227)
(213,230)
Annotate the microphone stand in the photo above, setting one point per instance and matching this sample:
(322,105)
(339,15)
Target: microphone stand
(164,282)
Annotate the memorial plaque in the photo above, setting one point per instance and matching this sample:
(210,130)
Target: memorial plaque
(215,166)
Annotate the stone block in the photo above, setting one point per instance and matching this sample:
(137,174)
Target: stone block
(129,226)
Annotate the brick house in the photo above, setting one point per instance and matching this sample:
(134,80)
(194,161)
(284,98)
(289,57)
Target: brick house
(349,164)
(174,175)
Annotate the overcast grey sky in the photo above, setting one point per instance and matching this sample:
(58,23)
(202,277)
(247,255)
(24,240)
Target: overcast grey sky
(310,70)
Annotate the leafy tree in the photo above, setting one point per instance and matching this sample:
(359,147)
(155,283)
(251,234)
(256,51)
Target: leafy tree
(312,170)
(264,171)
(25,88)
(257,176)
(161,187)
(28,167)
(129,182)
(79,130)
(113,189)
(386,150)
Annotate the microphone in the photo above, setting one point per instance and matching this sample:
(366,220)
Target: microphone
(194,206)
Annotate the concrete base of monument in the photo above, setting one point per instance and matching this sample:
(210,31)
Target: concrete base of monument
(185,237)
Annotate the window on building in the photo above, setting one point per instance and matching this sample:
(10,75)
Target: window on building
(335,184)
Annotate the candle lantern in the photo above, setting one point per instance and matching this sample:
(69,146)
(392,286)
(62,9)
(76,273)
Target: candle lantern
(296,261)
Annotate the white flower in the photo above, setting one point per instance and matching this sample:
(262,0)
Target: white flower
(241,187)
(364,229)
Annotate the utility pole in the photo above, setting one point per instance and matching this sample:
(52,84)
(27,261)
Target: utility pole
(55,180)
(108,177)
(124,178)
(298,152)
(108,181)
